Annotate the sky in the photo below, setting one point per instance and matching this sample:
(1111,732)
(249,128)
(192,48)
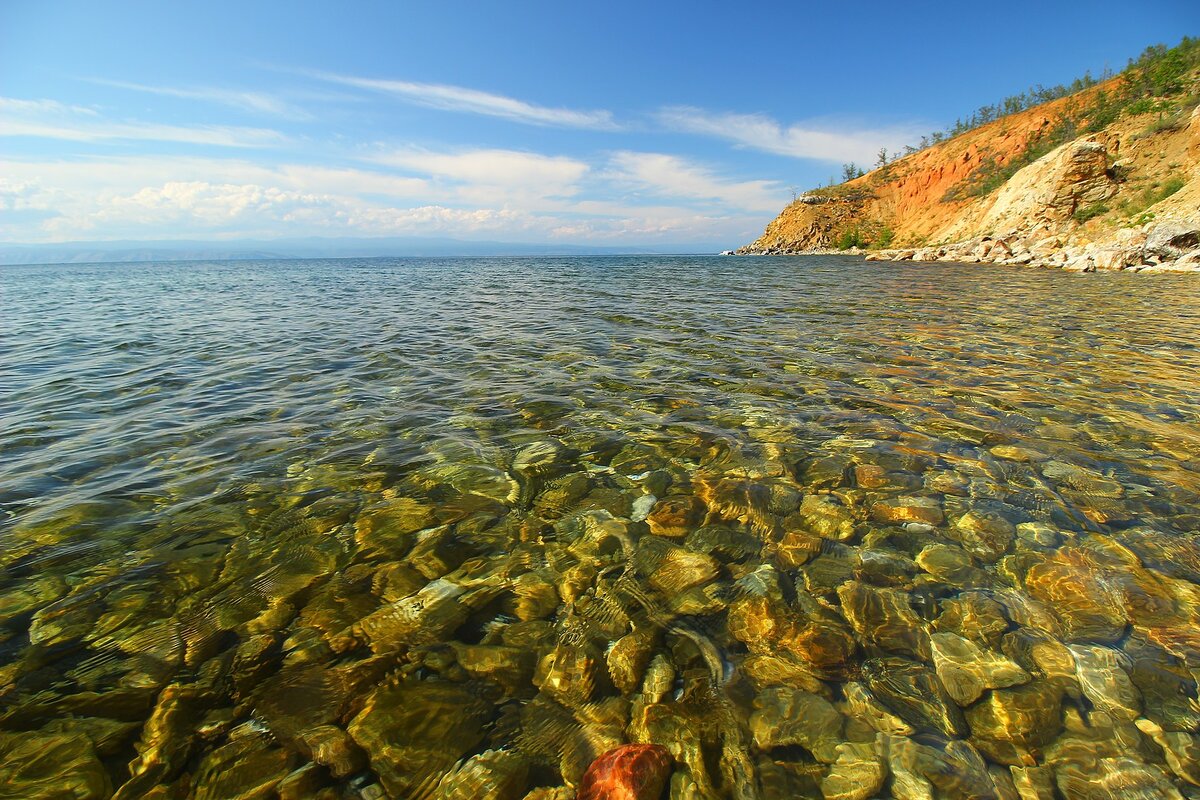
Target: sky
(612,124)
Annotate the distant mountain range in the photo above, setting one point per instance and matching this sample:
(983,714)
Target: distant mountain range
(310,247)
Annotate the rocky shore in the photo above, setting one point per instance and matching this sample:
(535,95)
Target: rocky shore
(1155,247)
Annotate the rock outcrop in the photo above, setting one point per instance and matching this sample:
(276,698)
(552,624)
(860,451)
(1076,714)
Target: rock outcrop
(813,220)
(1194,134)
(1046,194)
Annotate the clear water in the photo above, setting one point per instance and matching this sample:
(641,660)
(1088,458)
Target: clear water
(220,483)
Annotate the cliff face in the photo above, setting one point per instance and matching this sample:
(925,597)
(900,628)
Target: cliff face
(1010,192)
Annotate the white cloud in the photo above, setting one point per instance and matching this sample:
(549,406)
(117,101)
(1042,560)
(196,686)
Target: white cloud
(49,119)
(24,196)
(460,98)
(256,102)
(492,194)
(802,140)
(202,204)
(227,209)
(494,175)
(100,177)
(671,176)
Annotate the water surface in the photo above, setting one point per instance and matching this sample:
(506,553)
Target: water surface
(455,528)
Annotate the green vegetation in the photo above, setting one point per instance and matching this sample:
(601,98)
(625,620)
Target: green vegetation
(851,171)
(1103,112)
(1160,71)
(1145,105)
(1134,207)
(1084,213)
(851,238)
(1035,96)
(1151,83)
(992,174)
(1164,123)
(1157,73)
(869,234)
(852,194)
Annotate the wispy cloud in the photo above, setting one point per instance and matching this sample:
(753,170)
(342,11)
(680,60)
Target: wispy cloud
(19,107)
(49,119)
(801,140)
(474,101)
(670,176)
(257,102)
(207,134)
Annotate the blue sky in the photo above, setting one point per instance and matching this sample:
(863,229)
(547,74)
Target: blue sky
(609,123)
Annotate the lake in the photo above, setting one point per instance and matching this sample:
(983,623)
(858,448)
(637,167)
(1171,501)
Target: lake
(457,527)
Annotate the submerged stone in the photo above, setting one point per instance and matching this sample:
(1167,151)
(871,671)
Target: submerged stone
(1080,595)
(332,748)
(935,767)
(48,767)
(629,772)
(966,671)
(388,527)
(1103,677)
(862,705)
(676,516)
(1180,749)
(827,647)
(914,694)
(825,472)
(510,668)
(824,574)
(628,658)
(724,544)
(430,615)
(1168,690)
(974,616)
(785,716)
(1114,778)
(951,565)
(1008,724)
(856,774)
(797,548)
(826,517)
(248,767)
(884,617)
(672,569)
(908,509)
(412,731)
(571,673)
(748,502)
(986,535)
(686,734)
(876,477)
(490,775)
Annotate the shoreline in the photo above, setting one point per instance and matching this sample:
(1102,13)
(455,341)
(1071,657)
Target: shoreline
(1167,247)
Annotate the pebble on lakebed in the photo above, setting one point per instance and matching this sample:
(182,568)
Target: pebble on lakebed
(872,616)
